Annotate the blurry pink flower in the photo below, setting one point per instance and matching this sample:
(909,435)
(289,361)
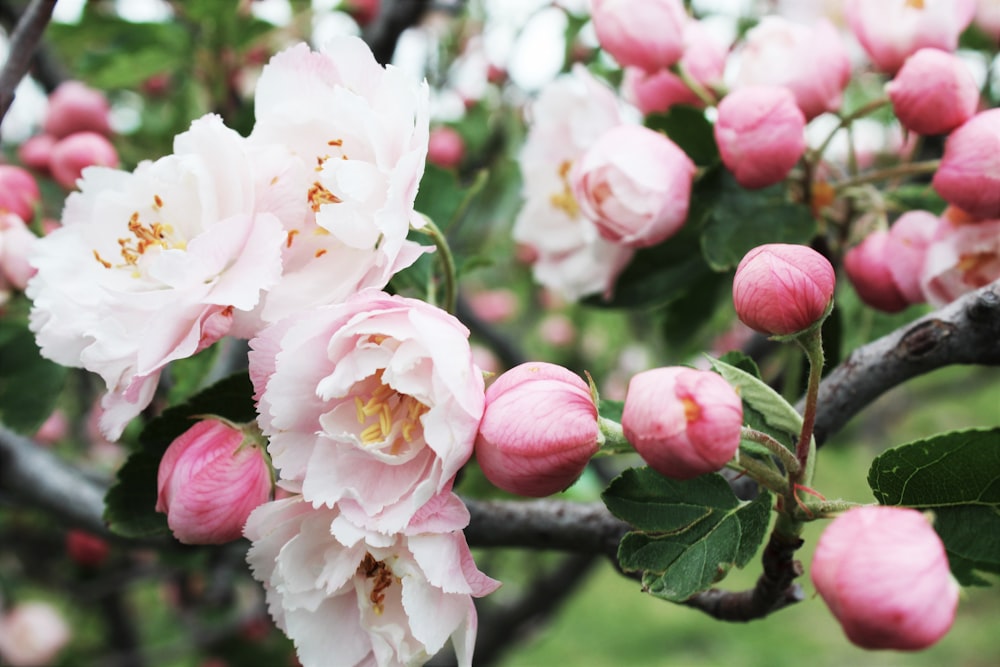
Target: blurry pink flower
(35,152)
(53,429)
(884,574)
(969,175)
(76,107)
(557,329)
(363,11)
(32,634)
(906,251)
(892,30)
(210,478)
(961,258)
(348,596)
(494,305)
(539,429)
(445,148)
(987,17)
(933,93)
(867,267)
(372,404)
(19,192)
(809,60)
(635,184)
(649,34)
(780,289)
(760,133)
(683,422)
(71,155)
(86,549)
(16,245)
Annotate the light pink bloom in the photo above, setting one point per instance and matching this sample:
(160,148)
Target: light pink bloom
(867,267)
(71,155)
(372,404)
(969,175)
(635,184)
(761,134)
(445,148)
(32,634)
(780,289)
(348,596)
(76,107)
(683,422)
(961,258)
(809,60)
(884,574)
(539,429)
(987,17)
(16,245)
(648,34)
(53,429)
(933,93)
(494,305)
(150,266)
(210,478)
(906,251)
(892,30)
(19,192)
(35,152)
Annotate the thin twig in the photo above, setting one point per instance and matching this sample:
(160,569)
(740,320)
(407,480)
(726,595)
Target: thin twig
(23,43)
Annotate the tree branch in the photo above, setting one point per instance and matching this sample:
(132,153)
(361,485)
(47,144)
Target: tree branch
(394,17)
(23,42)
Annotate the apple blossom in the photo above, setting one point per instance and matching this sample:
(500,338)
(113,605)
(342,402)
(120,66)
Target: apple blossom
(780,289)
(933,93)
(76,107)
(969,175)
(32,634)
(372,404)
(867,266)
(445,148)
(648,34)
(539,429)
(71,155)
(960,258)
(683,422)
(635,184)
(35,152)
(86,549)
(19,192)
(209,480)
(16,244)
(987,17)
(760,133)
(906,251)
(883,572)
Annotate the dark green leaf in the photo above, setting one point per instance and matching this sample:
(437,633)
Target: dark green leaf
(688,128)
(29,384)
(914,196)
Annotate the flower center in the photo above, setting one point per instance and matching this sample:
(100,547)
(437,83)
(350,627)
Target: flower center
(564,200)
(388,418)
(381,576)
(143,237)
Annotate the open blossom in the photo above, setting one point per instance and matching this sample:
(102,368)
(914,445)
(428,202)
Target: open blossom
(934,92)
(32,634)
(16,245)
(150,266)
(969,175)
(372,404)
(348,596)
(961,257)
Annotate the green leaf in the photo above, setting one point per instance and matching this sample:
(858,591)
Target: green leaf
(131,501)
(957,475)
(764,409)
(688,128)
(612,410)
(30,385)
(691,532)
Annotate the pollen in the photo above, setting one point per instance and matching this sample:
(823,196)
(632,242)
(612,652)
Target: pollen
(319,195)
(382,578)
(692,411)
(319,253)
(387,418)
(292,233)
(106,264)
(564,199)
(157,202)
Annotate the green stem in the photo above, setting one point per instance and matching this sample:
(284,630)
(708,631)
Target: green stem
(699,90)
(846,121)
(783,454)
(909,169)
(447,262)
(811,342)
(611,438)
(765,474)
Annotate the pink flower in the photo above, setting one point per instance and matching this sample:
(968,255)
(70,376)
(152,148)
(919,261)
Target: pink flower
(961,258)
(210,478)
(16,245)
(372,404)
(32,634)
(809,60)
(649,34)
(86,549)
(761,134)
(635,184)
(349,596)
(36,151)
(76,107)
(987,17)
(70,156)
(780,289)
(906,251)
(445,148)
(867,266)
(884,574)
(494,305)
(683,422)
(933,93)
(363,11)
(19,192)
(539,430)
(891,30)
(969,175)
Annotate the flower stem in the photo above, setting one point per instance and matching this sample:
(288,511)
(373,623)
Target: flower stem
(611,438)
(909,169)
(846,121)
(765,473)
(447,262)
(787,458)
(811,342)
(699,90)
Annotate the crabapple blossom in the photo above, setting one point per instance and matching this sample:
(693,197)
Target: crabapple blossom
(16,244)
(961,257)
(86,549)
(372,404)
(19,192)
(36,151)
(72,154)
(76,107)
(906,251)
(683,422)
(210,478)
(867,266)
(933,93)
(987,17)
(761,134)
(883,572)
(780,289)
(649,34)
(539,429)
(32,634)
(635,184)
(445,148)
(969,175)
(349,596)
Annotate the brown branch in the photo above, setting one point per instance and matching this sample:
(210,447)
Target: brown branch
(23,43)
(393,18)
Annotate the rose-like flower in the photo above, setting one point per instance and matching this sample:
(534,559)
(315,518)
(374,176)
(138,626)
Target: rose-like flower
(539,429)
(761,134)
(445,148)
(884,574)
(683,422)
(635,184)
(372,404)
(71,155)
(648,34)
(76,107)
(32,634)
(867,266)
(348,596)
(19,192)
(780,289)
(969,175)
(210,478)
(960,258)
(933,93)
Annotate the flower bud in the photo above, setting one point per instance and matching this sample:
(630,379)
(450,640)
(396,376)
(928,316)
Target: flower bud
(539,430)
(884,574)
(75,107)
(683,422)
(445,147)
(32,634)
(933,93)
(969,174)
(16,245)
(19,192)
(761,134)
(906,251)
(77,152)
(210,479)
(363,11)
(635,184)
(867,268)
(647,34)
(85,549)
(36,151)
(780,289)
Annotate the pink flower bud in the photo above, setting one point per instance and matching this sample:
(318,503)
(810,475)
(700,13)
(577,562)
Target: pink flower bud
(53,429)
(780,289)
(906,251)
(36,151)
(77,152)
(683,422)
(363,11)
(987,17)
(635,184)
(884,574)
(85,549)
(539,429)
(761,134)
(32,634)
(16,245)
(210,479)
(933,93)
(969,175)
(445,147)
(75,107)
(867,268)
(647,34)
(18,192)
